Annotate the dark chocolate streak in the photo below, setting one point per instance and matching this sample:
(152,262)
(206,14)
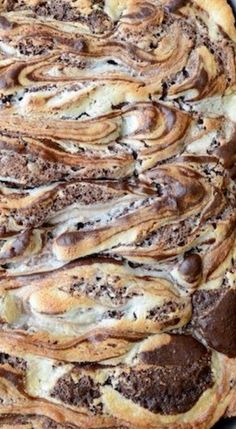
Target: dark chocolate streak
(5,24)
(174,5)
(10,78)
(191,267)
(228,152)
(13,378)
(182,374)
(18,246)
(179,373)
(214,319)
(182,350)
(32,421)
(81,393)
(202,81)
(16,362)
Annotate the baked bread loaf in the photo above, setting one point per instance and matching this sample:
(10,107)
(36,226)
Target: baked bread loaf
(117,214)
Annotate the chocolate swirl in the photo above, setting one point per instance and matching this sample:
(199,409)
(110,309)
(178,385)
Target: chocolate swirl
(117,214)
(84,395)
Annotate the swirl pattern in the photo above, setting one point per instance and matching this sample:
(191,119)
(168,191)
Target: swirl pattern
(117,214)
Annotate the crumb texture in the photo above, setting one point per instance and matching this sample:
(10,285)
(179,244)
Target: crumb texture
(117,214)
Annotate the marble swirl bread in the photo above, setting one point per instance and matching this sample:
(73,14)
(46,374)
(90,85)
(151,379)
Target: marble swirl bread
(117,214)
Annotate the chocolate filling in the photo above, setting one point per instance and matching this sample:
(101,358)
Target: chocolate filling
(182,372)
(164,312)
(169,236)
(54,201)
(80,394)
(32,421)
(228,152)
(35,47)
(57,9)
(191,267)
(174,5)
(167,390)
(16,362)
(214,319)
(180,351)
(21,169)
(5,24)
(103,287)
(60,10)
(18,246)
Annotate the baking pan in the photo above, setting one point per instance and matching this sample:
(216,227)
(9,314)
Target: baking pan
(226,424)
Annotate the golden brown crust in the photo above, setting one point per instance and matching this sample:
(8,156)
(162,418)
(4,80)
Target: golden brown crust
(221,13)
(108,401)
(25,381)
(117,214)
